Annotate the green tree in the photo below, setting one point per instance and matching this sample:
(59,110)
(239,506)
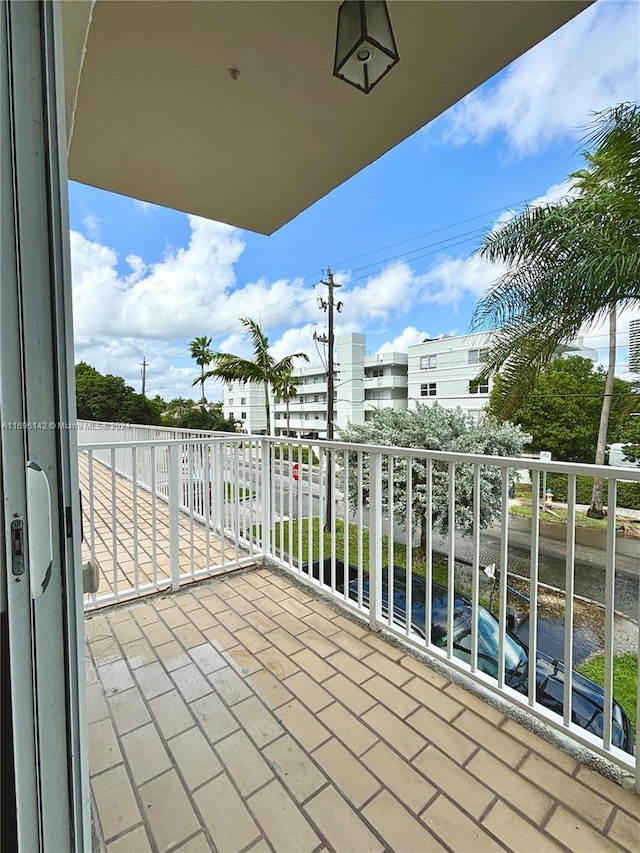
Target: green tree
(106,398)
(202,355)
(175,409)
(286,388)
(187,414)
(562,410)
(569,266)
(263,368)
(198,418)
(436,428)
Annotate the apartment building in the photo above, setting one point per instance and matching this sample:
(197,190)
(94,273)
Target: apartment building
(245,403)
(363,383)
(441,370)
(444,370)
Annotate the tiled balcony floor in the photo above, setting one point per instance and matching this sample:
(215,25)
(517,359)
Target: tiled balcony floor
(246,714)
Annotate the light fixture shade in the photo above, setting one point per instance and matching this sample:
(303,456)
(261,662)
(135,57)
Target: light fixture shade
(365,46)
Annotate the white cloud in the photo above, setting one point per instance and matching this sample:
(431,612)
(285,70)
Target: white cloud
(589,64)
(408,337)
(92,225)
(144,206)
(394,291)
(193,290)
(123,357)
(297,340)
(451,279)
(138,267)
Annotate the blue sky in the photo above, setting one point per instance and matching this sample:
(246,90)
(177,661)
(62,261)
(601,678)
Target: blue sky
(400,236)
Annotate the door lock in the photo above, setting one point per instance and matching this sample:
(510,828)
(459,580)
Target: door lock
(17,547)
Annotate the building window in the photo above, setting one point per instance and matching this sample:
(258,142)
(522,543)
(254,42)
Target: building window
(478,387)
(428,389)
(428,362)
(243,401)
(478,355)
(230,401)
(243,416)
(377,371)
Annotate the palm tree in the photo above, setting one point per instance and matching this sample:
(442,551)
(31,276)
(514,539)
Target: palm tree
(199,349)
(263,368)
(286,388)
(570,266)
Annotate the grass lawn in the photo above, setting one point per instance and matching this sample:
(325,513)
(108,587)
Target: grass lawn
(625,680)
(582,520)
(399,549)
(234,491)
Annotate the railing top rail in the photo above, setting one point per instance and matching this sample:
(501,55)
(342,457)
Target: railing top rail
(159,442)
(507,462)
(98,425)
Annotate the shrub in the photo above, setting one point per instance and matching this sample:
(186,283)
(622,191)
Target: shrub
(628,493)
(293,451)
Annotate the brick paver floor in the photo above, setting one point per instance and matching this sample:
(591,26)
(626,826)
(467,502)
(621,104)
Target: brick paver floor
(246,714)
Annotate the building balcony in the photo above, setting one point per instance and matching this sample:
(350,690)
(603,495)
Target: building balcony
(235,700)
(247,711)
(385,381)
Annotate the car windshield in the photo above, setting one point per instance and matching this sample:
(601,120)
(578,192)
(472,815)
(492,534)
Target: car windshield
(488,641)
(515,657)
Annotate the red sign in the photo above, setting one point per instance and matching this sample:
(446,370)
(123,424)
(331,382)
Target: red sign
(295,471)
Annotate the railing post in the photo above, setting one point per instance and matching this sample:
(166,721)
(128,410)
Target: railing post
(265,452)
(174,517)
(375,542)
(216,486)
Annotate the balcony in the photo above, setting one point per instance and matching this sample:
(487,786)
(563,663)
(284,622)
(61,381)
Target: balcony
(386,381)
(313,715)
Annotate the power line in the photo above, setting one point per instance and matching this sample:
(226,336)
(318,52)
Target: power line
(440,244)
(175,350)
(428,233)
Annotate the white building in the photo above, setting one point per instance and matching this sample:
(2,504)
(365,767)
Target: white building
(441,370)
(245,403)
(363,383)
(444,370)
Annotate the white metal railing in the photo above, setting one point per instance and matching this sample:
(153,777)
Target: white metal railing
(255,497)
(159,513)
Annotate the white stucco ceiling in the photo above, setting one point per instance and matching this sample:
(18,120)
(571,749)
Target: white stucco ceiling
(155,113)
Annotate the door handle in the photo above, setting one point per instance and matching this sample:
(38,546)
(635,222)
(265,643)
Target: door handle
(40,544)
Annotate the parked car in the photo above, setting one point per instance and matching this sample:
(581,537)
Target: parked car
(587,697)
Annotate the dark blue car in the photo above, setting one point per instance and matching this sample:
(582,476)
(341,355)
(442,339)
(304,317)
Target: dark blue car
(587,697)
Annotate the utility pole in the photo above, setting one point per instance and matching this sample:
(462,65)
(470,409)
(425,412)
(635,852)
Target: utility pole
(329,306)
(144,364)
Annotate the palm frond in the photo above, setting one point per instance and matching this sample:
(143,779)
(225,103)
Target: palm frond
(233,368)
(260,344)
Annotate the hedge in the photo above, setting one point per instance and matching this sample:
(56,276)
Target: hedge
(283,450)
(628,493)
